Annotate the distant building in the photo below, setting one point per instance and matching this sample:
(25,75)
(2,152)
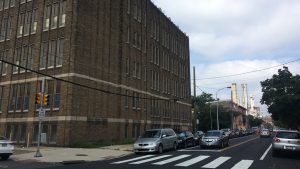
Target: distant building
(133,61)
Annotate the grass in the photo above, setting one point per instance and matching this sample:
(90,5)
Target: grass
(100,143)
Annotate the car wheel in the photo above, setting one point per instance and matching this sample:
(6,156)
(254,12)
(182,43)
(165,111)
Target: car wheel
(185,145)
(221,145)
(5,157)
(137,153)
(174,146)
(160,149)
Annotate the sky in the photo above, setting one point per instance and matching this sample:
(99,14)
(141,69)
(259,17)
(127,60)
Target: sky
(230,37)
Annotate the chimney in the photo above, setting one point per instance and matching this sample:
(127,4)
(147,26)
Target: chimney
(234,98)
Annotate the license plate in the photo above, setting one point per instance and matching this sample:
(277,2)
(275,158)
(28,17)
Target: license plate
(4,145)
(289,148)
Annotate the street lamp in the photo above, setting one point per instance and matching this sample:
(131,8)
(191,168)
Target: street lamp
(218,105)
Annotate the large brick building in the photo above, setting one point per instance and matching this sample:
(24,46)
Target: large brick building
(127,64)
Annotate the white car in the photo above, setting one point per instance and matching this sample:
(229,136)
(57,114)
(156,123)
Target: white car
(6,148)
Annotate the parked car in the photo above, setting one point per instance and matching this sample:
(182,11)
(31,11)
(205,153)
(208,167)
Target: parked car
(226,131)
(286,141)
(238,132)
(215,138)
(265,133)
(185,139)
(198,136)
(156,140)
(6,148)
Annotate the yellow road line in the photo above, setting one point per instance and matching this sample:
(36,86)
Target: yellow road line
(238,144)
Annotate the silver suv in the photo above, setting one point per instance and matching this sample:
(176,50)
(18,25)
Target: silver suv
(156,140)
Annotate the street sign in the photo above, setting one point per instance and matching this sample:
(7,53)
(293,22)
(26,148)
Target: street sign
(42,114)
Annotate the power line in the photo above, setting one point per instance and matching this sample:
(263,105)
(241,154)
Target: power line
(258,70)
(85,86)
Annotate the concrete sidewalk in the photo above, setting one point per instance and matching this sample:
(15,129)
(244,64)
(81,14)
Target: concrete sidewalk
(58,155)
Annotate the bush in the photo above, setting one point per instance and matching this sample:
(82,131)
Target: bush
(100,143)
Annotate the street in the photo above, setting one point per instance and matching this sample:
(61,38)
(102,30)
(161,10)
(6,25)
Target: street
(243,152)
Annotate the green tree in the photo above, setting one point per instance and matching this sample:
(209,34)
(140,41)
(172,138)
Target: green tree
(205,112)
(281,95)
(254,122)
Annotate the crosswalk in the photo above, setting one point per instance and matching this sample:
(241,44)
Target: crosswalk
(185,160)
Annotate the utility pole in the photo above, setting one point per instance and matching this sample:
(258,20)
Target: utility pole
(41,115)
(194,118)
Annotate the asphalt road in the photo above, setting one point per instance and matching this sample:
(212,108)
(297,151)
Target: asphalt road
(243,153)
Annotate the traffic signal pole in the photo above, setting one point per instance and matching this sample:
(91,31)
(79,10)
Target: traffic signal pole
(38,153)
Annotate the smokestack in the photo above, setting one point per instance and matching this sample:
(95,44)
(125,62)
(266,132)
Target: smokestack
(234,98)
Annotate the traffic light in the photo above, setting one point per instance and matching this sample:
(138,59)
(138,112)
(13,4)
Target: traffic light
(46,99)
(38,98)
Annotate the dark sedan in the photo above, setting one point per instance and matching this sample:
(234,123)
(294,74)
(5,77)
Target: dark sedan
(215,138)
(185,139)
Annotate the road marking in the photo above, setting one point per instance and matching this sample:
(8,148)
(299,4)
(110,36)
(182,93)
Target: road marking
(133,159)
(151,159)
(266,152)
(171,160)
(244,164)
(192,161)
(239,144)
(216,163)
(202,150)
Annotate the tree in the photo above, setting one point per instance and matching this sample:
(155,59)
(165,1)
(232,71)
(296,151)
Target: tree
(281,95)
(205,112)
(254,122)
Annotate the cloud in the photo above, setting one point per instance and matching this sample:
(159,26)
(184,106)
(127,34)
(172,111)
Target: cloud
(231,28)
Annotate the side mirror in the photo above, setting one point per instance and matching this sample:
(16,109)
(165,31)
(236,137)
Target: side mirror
(163,136)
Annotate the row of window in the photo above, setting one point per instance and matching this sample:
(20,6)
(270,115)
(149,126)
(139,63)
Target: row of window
(19,132)
(5,4)
(20,93)
(166,109)
(54,17)
(157,107)
(51,55)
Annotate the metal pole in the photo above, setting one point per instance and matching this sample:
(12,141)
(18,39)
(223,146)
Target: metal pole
(194,118)
(38,153)
(217,110)
(210,116)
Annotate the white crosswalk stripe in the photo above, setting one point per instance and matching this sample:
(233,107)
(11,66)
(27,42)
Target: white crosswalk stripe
(188,161)
(151,159)
(192,161)
(216,163)
(171,160)
(244,164)
(133,159)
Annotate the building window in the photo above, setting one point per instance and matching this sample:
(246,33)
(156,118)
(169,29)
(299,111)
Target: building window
(35,133)
(23,57)
(3,66)
(5,33)
(12,98)
(46,21)
(128,6)
(27,23)
(126,98)
(127,66)
(54,16)
(59,52)
(56,95)
(62,13)
(53,134)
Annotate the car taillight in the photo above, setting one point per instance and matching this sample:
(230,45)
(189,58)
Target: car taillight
(276,139)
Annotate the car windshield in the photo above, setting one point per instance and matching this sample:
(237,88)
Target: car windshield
(212,133)
(3,138)
(288,135)
(182,134)
(152,134)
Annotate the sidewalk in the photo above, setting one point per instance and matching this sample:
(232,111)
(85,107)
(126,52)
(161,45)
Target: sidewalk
(58,154)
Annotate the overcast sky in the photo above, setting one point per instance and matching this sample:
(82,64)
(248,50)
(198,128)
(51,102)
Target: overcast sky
(231,37)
